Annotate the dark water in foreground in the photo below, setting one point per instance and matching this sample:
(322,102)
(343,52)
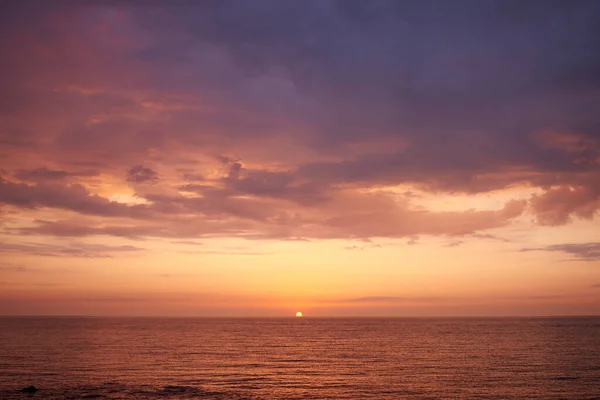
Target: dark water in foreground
(120,358)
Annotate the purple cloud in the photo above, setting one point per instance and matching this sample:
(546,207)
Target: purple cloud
(140,174)
(68,197)
(581,251)
(289,125)
(44,174)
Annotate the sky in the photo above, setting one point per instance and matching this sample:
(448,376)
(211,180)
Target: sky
(339,158)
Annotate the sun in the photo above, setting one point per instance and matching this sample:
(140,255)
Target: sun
(298,314)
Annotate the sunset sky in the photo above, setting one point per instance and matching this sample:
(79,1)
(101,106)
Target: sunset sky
(339,158)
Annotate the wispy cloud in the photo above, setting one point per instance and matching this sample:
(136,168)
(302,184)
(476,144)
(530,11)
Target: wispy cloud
(44,174)
(354,247)
(116,299)
(67,250)
(229,253)
(376,299)
(188,242)
(14,267)
(489,236)
(413,240)
(581,251)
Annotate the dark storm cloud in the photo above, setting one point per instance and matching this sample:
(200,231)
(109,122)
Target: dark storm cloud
(581,251)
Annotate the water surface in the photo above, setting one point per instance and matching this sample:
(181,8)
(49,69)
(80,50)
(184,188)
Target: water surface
(137,358)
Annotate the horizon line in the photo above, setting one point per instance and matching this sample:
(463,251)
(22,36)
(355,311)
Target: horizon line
(304,316)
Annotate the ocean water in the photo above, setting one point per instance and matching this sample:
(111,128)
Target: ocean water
(308,358)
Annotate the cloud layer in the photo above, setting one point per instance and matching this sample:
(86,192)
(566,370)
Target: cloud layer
(281,120)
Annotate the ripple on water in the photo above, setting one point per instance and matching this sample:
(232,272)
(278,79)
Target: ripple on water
(321,358)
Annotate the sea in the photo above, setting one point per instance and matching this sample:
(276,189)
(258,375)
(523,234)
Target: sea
(300,358)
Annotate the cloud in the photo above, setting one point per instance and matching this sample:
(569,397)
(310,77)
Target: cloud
(234,171)
(44,174)
(116,299)
(188,242)
(294,128)
(347,216)
(140,174)
(354,247)
(557,206)
(180,275)
(78,229)
(69,250)
(376,299)
(229,253)
(581,251)
(74,197)
(10,267)
(380,215)
(190,177)
(489,236)
(437,299)
(282,185)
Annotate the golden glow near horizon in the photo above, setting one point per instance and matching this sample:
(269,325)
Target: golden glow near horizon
(298,314)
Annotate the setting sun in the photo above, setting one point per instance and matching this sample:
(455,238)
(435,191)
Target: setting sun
(298,314)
